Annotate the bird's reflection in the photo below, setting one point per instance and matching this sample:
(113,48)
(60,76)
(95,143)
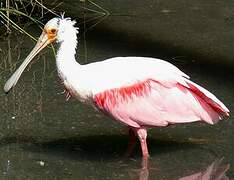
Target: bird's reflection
(143,172)
(215,171)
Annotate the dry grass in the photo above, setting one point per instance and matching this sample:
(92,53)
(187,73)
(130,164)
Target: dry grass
(14,14)
(13,11)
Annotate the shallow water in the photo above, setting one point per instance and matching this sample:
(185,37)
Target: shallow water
(45,137)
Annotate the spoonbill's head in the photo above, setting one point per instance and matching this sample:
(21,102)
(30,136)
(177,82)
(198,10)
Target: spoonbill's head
(60,29)
(55,30)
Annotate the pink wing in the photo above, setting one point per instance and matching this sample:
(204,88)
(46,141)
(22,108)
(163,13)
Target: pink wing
(152,103)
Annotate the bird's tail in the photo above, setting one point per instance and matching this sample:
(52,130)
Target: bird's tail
(209,98)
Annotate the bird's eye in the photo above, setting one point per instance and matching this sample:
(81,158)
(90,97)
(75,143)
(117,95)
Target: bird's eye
(53,31)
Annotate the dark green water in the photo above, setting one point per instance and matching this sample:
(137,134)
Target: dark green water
(42,136)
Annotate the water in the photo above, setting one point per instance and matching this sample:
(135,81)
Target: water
(45,137)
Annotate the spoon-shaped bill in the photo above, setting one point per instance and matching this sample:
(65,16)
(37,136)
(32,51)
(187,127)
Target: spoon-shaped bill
(42,42)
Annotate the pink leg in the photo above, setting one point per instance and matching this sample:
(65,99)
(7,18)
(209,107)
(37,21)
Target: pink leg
(131,143)
(142,135)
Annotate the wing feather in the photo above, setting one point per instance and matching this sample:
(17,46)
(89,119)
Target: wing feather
(151,93)
(150,103)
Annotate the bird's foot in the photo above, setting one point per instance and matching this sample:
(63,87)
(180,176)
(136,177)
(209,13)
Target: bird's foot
(68,95)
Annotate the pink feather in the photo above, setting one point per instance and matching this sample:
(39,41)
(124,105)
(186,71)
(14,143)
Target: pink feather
(150,103)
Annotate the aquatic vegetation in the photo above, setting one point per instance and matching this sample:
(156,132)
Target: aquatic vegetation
(13,13)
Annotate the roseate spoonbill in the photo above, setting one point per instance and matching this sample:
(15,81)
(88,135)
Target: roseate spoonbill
(139,92)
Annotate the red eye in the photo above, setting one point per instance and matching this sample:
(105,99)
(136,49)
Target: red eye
(53,31)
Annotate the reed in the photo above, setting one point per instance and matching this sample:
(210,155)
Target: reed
(12,12)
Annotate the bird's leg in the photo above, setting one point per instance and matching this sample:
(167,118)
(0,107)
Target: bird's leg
(142,135)
(145,162)
(131,142)
(68,95)
(143,172)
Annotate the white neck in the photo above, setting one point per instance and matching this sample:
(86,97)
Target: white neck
(66,62)
(66,53)
(71,72)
